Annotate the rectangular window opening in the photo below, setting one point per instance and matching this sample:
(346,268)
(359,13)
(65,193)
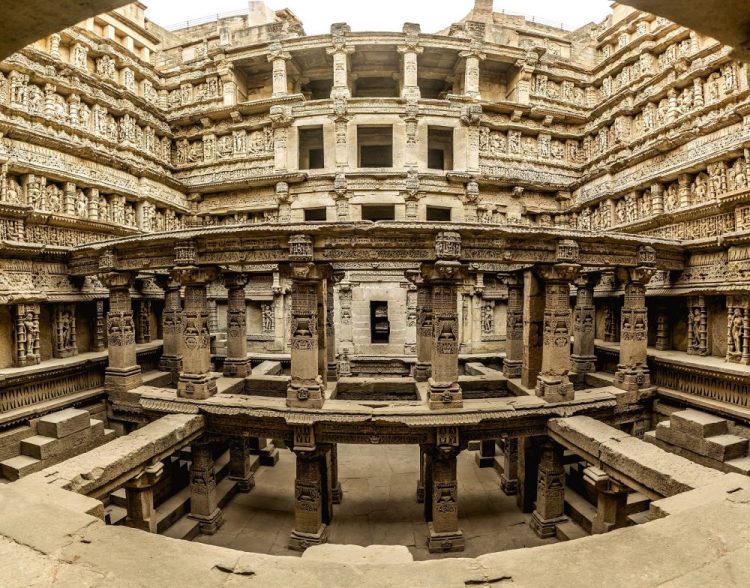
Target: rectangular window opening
(311,152)
(438,214)
(315,214)
(440,148)
(375,146)
(380,327)
(378,212)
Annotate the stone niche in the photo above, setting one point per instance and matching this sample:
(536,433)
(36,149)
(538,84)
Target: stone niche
(388,291)
(6,337)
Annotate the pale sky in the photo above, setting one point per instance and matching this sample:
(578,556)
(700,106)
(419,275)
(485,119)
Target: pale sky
(384,15)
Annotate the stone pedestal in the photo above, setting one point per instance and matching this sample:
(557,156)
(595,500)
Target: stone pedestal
(236,363)
(612,502)
(509,477)
(550,497)
(123,372)
(583,358)
(444,532)
(240,452)
(553,383)
(485,457)
(139,496)
(171,359)
(203,504)
(310,524)
(195,380)
(513,362)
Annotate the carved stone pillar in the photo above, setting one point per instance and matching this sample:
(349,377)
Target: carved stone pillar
(611,322)
(583,358)
(306,387)
(330,341)
(472,58)
(442,494)
(550,496)
(100,328)
(240,452)
(533,329)
(236,363)
(612,502)
(340,52)
(657,199)
(139,497)
(337,494)
(423,326)
(171,320)
(738,329)
(663,335)
(143,325)
(553,383)
(27,334)
(204,506)
(632,372)
(311,508)
(65,331)
(195,380)
(509,477)
(123,372)
(423,464)
(410,51)
(281,120)
(697,326)
(513,361)
(529,450)
(278,58)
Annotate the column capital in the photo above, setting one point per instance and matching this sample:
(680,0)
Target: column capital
(443,271)
(560,272)
(194,275)
(276,51)
(511,279)
(635,275)
(113,280)
(410,48)
(233,279)
(587,279)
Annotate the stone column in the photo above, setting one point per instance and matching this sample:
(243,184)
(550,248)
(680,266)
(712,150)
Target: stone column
(514,327)
(278,58)
(203,501)
(663,335)
(553,383)
(657,199)
(171,319)
(485,457)
(337,494)
(632,372)
(533,328)
(472,58)
(332,366)
(139,497)
(423,461)
(528,466)
(509,477)
(27,335)
(697,326)
(240,470)
(281,120)
(100,328)
(143,325)
(611,324)
(236,363)
(123,372)
(612,502)
(195,380)
(410,51)
(423,326)
(310,488)
(340,53)
(444,532)
(583,358)
(550,497)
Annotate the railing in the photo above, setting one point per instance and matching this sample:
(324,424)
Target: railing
(194,22)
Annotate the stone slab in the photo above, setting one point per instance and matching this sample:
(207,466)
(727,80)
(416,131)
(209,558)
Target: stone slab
(585,433)
(63,423)
(717,491)
(356,554)
(697,423)
(42,447)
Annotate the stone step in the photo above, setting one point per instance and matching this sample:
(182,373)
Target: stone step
(186,529)
(172,510)
(637,502)
(569,531)
(46,447)
(741,465)
(724,447)
(63,423)
(21,465)
(638,518)
(698,424)
(580,510)
(118,498)
(115,515)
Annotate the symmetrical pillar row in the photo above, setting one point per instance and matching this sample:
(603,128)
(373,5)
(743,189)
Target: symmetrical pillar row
(550,494)
(236,363)
(139,497)
(583,358)
(123,372)
(441,494)
(553,383)
(204,505)
(171,359)
(195,380)
(514,327)
(632,372)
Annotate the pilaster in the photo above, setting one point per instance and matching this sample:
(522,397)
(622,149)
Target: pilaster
(236,363)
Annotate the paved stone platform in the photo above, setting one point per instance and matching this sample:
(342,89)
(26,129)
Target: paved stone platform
(379,507)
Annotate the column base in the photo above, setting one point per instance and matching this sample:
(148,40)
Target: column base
(333,371)
(337,494)
(196,386)
(147,526)
(512,368)
(555,389)
(635,381)
(422,372)
(583,364)
(509,486)
(442,396)
(299,541)
(450,542)
(122,379)
(235,367)
(545,528)
(304,396)
(65,353)
(208,525)
(244,485)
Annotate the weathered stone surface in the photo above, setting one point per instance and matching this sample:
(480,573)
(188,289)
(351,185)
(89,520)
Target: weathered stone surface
(63,423)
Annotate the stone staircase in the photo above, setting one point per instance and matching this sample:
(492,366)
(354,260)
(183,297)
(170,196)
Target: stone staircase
(704,439)
(60,436)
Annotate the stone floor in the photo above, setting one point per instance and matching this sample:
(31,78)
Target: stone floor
(379,506)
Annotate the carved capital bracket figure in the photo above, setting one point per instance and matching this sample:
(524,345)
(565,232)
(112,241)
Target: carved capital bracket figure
(236,363)
(583,358)
(123,372)
(632,372)
(195,380)
(514,326)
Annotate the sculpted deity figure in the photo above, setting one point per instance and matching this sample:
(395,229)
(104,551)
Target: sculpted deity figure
(736,330)
(700,188)
(695,322)
(32,332)
(738,175)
